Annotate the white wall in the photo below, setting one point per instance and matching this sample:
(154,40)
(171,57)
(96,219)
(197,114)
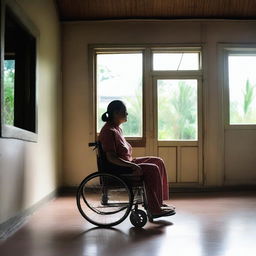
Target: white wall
(78,159)
(30,171)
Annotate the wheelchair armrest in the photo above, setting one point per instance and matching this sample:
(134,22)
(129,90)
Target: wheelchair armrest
(128,175)
(131,176)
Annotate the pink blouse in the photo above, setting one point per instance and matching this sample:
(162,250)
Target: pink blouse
(112,140)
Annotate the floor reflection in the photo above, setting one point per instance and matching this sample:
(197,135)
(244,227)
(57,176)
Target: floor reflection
(114,241)
(205,225)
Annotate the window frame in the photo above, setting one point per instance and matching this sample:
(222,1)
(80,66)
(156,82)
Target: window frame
(93,51)
(198,104)
(226,50)
(7,131)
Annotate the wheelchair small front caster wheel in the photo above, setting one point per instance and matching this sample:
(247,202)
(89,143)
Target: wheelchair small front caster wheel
(138,218)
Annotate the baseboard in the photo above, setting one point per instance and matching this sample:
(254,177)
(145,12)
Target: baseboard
(202,189)
(67,190)
(71,190)
(10,226)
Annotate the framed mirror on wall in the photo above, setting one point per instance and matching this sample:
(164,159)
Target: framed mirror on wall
(19,38)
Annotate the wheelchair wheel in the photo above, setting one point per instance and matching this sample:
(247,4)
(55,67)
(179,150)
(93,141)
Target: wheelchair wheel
(138,218)
(104,199)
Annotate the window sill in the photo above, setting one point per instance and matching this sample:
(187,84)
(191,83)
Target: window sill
(12,132)
(240,127)
(138,142)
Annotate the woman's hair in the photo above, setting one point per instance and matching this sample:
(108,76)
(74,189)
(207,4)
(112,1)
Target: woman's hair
(113,106)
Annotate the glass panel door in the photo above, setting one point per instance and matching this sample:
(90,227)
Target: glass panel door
(178,137)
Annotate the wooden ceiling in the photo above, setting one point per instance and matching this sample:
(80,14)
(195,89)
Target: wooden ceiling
(76,10)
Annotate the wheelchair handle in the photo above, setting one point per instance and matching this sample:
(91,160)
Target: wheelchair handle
(93,144)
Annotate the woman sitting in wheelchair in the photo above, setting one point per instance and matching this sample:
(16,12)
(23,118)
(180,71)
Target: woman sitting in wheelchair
(119,154)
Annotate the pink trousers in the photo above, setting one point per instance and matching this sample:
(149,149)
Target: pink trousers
(155,179)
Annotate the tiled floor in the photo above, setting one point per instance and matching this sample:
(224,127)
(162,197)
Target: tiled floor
(222,224)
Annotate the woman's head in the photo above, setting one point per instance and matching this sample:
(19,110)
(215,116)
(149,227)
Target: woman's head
(116,112)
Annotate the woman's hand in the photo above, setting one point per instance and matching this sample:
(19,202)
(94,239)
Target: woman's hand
(114,159)
(136,169)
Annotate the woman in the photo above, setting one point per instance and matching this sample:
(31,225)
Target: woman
(119,153)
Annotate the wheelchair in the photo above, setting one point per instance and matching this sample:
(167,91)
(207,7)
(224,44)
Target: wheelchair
(106,198)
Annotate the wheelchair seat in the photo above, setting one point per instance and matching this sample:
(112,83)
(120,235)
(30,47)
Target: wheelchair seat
(105,166)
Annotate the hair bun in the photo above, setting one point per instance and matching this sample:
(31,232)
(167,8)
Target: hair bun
(105,117)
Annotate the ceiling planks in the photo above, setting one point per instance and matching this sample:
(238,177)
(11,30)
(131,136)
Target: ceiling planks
(76,10)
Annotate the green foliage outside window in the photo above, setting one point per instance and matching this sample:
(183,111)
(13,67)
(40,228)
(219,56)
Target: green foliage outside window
(177,110)
(9,75)
(245,111)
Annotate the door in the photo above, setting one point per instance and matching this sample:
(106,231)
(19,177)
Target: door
(178,127)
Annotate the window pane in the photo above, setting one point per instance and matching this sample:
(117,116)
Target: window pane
(177,109)
(242,89)
(176,61)
(9,76)
(119,77)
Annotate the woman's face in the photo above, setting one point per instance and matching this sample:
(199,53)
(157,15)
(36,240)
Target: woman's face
(121,116)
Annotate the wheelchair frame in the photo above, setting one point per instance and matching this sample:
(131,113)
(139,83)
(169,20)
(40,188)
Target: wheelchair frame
(133,183)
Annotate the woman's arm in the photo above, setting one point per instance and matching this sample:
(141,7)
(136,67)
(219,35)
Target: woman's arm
(114,159)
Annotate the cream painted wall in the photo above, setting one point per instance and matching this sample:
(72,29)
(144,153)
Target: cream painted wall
(30,171)
(78,159)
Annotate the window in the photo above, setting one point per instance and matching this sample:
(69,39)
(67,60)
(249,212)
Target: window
(176,61)
(119,77)
(19,76)
(177,109)
(242,88)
